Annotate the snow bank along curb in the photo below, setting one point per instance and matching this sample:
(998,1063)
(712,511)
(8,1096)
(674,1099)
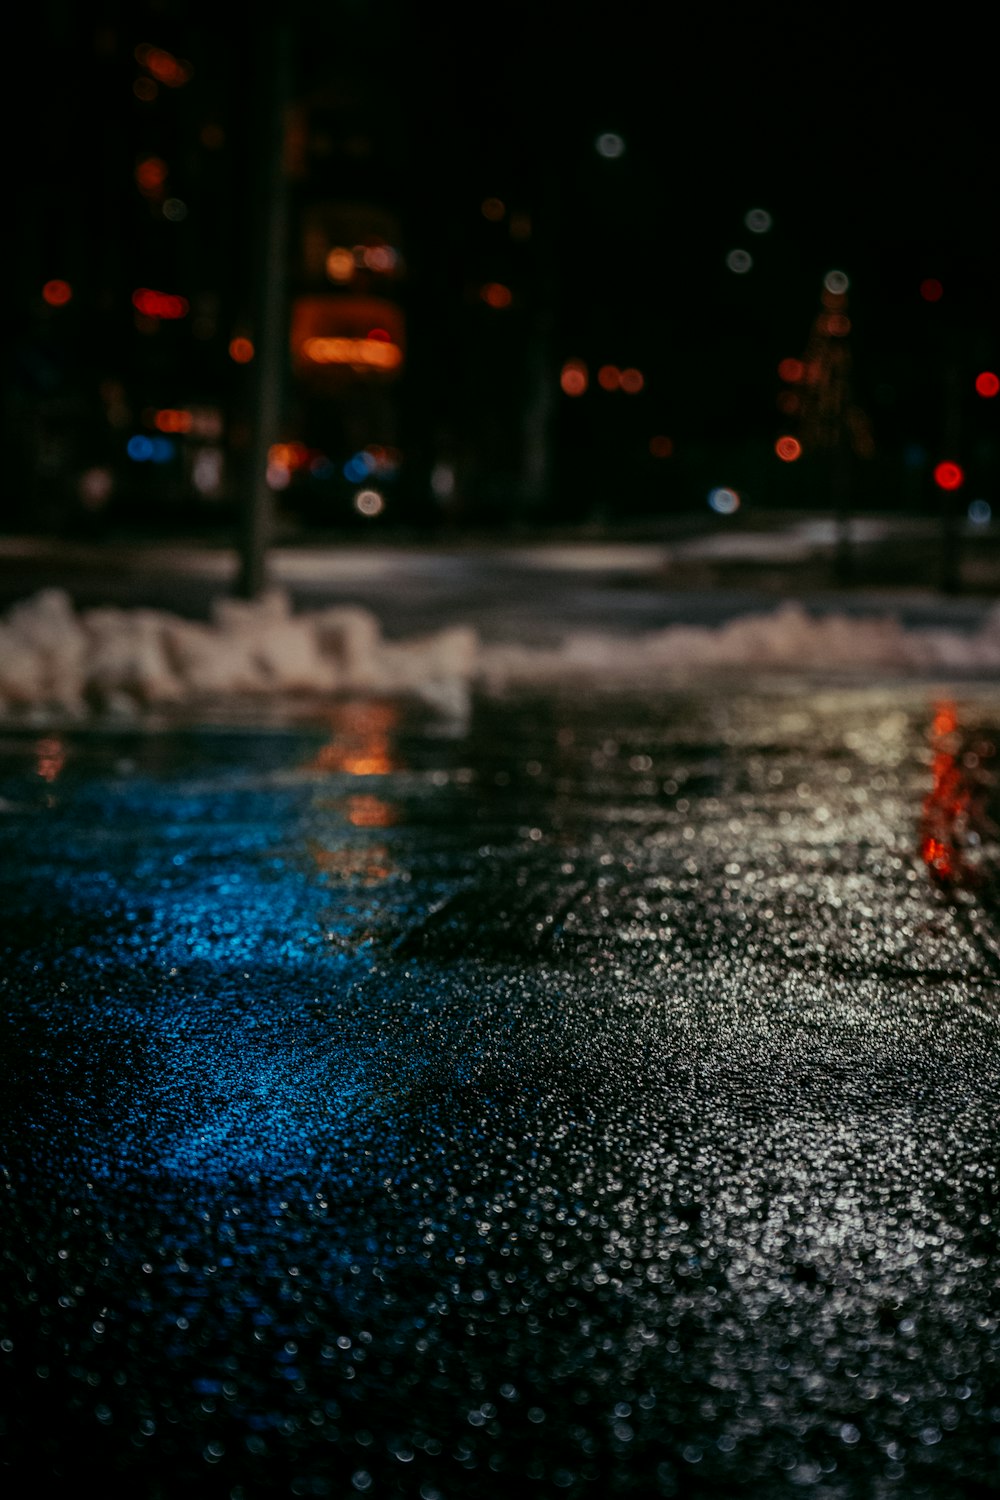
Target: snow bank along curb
(53,657)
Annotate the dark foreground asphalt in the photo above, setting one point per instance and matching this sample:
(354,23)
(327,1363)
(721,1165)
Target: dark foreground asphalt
(597,1099)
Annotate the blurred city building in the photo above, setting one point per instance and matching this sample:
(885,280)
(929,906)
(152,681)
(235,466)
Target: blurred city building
(517,293)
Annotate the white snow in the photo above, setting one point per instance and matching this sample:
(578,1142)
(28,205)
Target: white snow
(54,658)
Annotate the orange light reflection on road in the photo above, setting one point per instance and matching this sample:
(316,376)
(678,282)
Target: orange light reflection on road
(366,811)
(50,757)
(367,866)
(362,740)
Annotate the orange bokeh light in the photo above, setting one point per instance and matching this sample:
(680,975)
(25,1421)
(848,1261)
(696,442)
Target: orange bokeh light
(574,378)
(788,449)
(151,174)
(369,353)
(241,350)
(164,67)
(987,383)
(57,293)
(609,377)
(495,294)
(340,263)
(661,446)
(173,419)
(288,455)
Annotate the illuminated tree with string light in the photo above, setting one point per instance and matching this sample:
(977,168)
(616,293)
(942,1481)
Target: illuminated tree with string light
(832,428)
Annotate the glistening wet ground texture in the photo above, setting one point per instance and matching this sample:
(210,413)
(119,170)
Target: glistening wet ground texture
(596,1098)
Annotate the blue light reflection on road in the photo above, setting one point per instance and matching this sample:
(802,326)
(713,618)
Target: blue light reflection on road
(581,1107)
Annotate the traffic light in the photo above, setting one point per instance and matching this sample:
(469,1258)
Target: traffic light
(949,476)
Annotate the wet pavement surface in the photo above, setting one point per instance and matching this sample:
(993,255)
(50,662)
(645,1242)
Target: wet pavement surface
(596,1098)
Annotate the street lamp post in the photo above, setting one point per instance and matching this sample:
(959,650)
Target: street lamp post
(270,332)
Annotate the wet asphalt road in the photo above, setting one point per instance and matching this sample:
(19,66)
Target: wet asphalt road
(597,1098)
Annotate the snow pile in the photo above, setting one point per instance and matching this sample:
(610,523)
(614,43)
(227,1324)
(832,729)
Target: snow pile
(125,660)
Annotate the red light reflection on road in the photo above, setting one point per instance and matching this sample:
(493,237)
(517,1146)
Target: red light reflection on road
(954,817)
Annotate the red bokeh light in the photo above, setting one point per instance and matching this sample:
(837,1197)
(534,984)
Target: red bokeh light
(788,449)
(661,446)
(609,377)
(931,289)
(496,295)
(632,381)
(791,370)
(151,174)
(241,350)
(159,304)
(949,476)
(987,383)
(57,293)
(573,378)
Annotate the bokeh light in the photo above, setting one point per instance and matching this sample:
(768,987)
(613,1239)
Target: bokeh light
(739,261)
(164,67)
(723,500)
(574,378)
(241,350)
(153,304)
(949,476)
(377,353)
(369,503)
(492,209)
(980,512)
(340,263)
(632,381)
(987,383)
(758,221)
(496,295)
(609,377)
(380,257)
(172,419)
(931,289)
(791,370)
(788,449)
(610,145)
(836,282)
(151,174)
(57,293)
(660,446)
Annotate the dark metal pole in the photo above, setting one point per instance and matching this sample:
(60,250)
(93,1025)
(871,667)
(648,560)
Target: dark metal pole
(270,332)
(951,562)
